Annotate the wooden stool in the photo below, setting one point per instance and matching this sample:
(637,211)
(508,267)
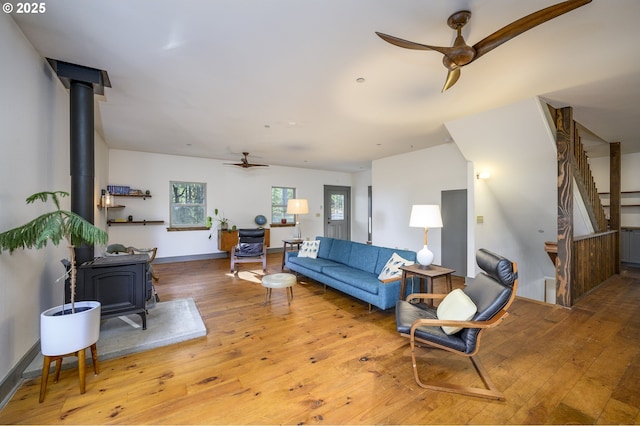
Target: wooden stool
(58,360)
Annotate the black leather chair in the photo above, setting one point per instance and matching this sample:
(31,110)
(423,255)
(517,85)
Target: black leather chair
(250,249)
(492,292)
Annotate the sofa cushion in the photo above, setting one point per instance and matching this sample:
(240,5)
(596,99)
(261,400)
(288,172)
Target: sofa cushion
(309,249)
(340,251)
(391,269)
(315,265)
(363,257)
(325,246)
(354,277)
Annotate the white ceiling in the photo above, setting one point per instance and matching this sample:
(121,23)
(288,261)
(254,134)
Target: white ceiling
(277,78)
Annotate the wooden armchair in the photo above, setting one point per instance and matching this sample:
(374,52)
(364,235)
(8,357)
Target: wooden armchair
(151,252)
(492,292)
(251,248)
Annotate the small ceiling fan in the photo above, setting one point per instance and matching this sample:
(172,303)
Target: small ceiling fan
(244,162)
(461,54)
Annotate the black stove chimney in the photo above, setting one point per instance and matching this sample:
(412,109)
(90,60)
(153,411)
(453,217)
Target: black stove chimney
(83,83)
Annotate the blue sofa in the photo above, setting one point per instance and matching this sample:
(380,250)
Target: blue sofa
(352,268)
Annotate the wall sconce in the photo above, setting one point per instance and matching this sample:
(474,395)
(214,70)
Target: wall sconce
(483,175)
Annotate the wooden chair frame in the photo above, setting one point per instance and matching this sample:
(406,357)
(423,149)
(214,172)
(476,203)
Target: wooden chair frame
(151,252)
(490,391)
(235,259)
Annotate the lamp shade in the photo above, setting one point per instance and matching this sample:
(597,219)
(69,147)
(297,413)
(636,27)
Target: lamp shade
(297,206)
(425,216)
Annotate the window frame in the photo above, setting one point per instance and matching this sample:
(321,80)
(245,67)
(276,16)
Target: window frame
(276,221)
(172,218)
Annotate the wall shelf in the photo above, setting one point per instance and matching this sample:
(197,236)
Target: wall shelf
(118,206)
(121,206)
(136,222)
(628,194)
(143,196)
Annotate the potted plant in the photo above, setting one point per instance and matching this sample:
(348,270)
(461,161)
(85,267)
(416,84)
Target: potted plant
(63,329)
(222,221)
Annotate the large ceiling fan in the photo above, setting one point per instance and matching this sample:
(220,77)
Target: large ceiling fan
(244,162)
(461,54)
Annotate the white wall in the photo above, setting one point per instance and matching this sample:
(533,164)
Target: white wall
(630,181)
(360,202)
(35,157)
(34,118)
(516,145)
(240,193)
(417,177)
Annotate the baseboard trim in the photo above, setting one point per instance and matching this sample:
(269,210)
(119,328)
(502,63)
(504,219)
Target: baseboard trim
(205,256)
(13,380)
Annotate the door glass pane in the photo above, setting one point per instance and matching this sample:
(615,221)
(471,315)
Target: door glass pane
(337,207)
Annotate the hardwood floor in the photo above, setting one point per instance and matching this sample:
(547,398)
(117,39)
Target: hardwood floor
(327,360)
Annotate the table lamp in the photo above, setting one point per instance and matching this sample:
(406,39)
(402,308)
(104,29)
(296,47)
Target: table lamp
(297,206)
(425,216)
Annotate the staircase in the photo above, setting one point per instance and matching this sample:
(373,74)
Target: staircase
(582,263)
(586,184)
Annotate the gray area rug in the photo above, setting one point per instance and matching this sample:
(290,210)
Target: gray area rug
(167,323)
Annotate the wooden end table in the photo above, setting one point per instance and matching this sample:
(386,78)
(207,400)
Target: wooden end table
(425,273)
(289,243)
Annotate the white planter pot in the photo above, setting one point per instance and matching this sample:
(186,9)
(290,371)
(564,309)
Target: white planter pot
(64,334)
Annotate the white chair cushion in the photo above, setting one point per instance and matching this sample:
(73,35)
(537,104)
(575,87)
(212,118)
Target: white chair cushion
(456,306)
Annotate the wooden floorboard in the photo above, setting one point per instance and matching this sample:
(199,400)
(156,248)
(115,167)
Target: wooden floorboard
(327,359)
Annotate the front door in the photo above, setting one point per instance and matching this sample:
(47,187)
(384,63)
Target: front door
(337,212)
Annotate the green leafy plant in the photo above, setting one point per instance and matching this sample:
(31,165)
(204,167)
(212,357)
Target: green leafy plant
(219,217)
(54,226)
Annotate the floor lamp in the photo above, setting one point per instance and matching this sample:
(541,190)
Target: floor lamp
(425,216)
(297,206)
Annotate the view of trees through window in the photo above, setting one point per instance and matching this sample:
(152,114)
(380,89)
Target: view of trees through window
(188,204)
(279,197)
(337,207)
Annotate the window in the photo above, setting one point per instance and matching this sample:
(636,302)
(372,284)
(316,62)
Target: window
(279,197)
(188,204)
(337,207)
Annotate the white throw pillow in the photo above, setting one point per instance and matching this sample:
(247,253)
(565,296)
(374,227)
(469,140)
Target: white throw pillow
(456,306)
(309,249)
(391,269)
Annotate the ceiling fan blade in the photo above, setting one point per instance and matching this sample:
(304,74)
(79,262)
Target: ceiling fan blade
(244,162)
(410,44)
(524,24)
(452,77)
